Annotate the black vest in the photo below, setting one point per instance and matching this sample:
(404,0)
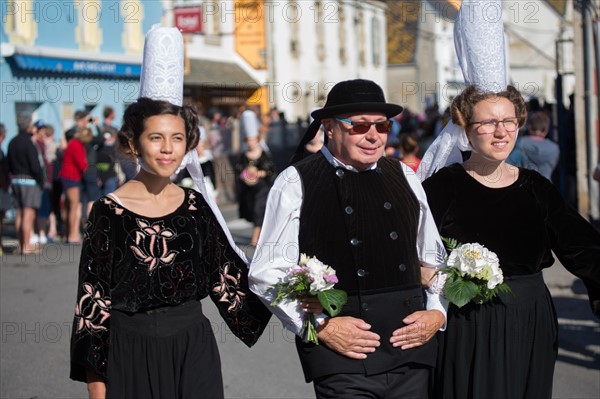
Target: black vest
(364,225)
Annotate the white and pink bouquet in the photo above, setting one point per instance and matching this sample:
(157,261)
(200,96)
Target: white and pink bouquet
(473,274)
(311,278)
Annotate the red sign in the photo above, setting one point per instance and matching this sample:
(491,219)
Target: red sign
(188,19)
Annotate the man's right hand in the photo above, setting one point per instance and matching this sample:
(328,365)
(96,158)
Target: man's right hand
(348,336)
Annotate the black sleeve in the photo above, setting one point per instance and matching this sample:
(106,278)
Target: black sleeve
(91,323)
(574,240)
(241,309)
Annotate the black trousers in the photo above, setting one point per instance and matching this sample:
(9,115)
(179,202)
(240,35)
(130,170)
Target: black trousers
(411,381)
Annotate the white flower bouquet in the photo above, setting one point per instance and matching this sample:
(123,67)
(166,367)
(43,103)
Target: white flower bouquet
(473,274)
(311,278)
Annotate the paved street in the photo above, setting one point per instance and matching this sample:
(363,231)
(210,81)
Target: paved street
(37,300)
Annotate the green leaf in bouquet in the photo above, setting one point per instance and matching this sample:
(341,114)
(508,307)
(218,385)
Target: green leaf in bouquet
(333,300)
(459,291)
(503,289)
(451,243)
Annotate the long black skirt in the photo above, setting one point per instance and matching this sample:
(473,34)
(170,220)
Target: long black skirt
(502,349)
(169,352)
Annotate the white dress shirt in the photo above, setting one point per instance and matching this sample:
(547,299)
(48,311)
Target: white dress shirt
(278,246)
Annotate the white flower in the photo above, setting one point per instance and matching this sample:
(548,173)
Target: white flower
(471,258)
(475,260)
(322,276)
(303,259)
(476,264)
(496,278)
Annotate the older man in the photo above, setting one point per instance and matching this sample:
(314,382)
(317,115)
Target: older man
(367,217)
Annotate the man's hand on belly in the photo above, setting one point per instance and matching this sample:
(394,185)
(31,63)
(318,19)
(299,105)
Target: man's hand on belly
(348,336)
(421,327)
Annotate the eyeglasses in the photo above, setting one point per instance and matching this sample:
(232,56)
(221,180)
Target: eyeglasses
(363,127)
(491,125)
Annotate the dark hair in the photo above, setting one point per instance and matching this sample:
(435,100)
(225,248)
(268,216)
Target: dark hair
(23,122)
(409,143)
(463,104)
(107,111)
(539,122)
(2,129)
(136,114)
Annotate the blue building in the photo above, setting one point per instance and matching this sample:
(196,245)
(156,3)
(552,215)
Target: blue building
(61,56)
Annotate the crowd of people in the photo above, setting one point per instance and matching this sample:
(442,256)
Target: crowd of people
(52,178)
(55,178)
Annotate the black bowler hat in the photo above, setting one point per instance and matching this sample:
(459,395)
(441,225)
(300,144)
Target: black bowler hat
(357,95)
(349,96)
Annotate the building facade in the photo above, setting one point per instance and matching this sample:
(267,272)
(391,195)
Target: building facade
(279,54)
(423,67)
(59,57)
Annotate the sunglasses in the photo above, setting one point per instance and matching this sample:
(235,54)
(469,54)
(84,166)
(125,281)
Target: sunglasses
(363,127)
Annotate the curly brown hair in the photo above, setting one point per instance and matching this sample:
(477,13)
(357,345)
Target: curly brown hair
(463,104)
(136,114)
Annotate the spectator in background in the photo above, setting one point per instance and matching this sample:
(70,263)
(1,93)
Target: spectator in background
(538,152)
(251,125)
(276,125)
(256,173)
(107,154)
(57,189)
(5,199)
(90,188)
(73,167)
(41,221)
(125,168)
(82,118)
(219,142)
(50,158)
(409,146)
(27,176)
(392,145)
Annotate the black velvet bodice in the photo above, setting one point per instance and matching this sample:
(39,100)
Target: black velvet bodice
(522,223)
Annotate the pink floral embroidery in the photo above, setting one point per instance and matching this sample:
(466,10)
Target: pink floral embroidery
(228,289)
(151,244)
(192,202)
(91,306)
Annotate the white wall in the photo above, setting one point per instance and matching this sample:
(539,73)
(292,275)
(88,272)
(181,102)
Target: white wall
(299,82)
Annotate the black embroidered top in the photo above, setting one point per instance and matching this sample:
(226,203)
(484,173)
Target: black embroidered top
(134,263)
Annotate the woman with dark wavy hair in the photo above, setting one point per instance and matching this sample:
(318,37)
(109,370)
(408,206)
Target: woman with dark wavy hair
(505,348)
(152,250)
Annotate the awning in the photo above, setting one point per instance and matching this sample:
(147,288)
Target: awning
(219,74)
(72,66)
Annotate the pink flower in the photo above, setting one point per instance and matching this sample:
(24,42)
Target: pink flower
(91,307)
(228,289)
(151,244)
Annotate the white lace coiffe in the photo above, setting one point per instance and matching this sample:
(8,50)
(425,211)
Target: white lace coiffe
(480,47)
(162,65)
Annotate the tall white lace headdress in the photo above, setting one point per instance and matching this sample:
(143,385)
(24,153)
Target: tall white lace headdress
(479,43)
(162,79)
